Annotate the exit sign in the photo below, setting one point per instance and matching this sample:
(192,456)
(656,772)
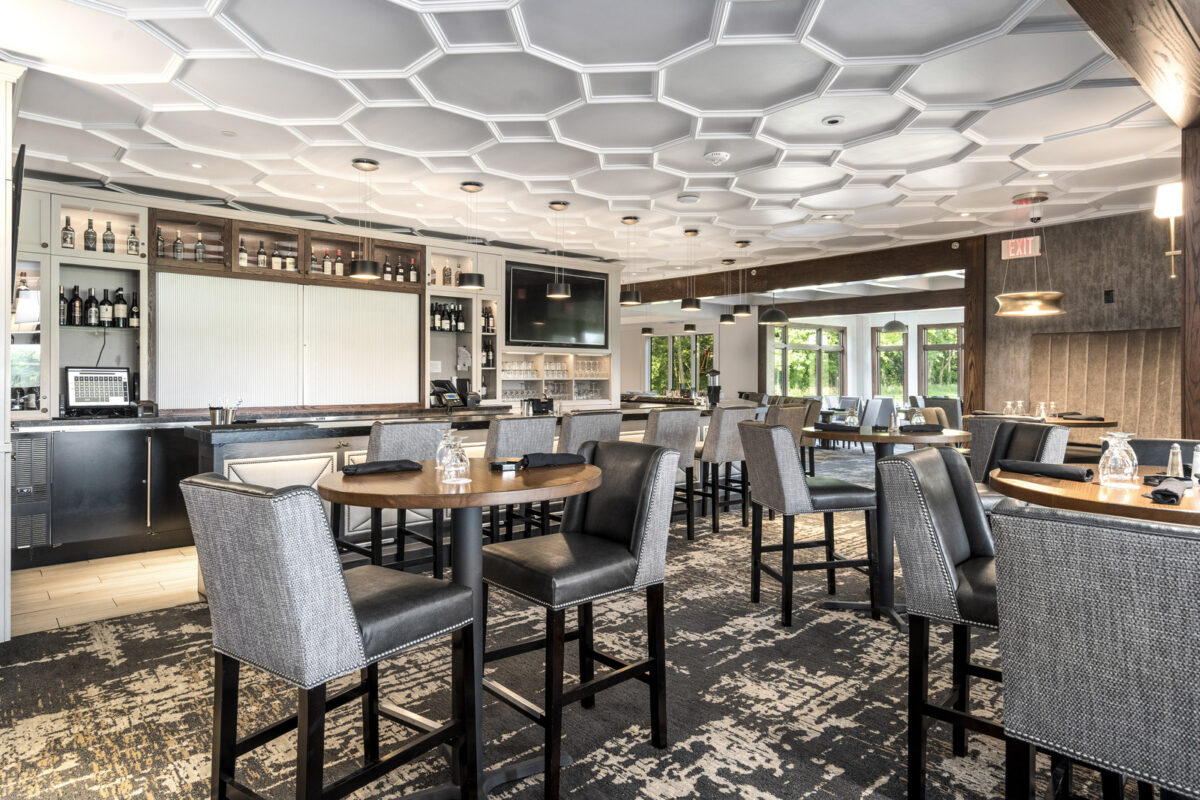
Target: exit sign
(1026,247)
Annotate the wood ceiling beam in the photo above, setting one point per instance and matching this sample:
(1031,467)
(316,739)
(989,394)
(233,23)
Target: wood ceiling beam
(875,304)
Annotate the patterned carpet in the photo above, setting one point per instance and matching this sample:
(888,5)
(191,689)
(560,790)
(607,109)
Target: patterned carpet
(121,708)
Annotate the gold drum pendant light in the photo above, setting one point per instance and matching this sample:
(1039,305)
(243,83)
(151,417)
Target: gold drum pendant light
(1039,302)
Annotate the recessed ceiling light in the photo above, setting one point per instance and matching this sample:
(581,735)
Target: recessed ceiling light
(1043,174)
(364,164)
(687,199)
(742,243)
(559,205)
(318,186)
(471,187)
(570,233)
(197,165)
(716,157)
(420,205)
(964,213)
(836,119)
(501,219)
(727,261)
(829,216)
(230,134)
(690,232)
(629,220)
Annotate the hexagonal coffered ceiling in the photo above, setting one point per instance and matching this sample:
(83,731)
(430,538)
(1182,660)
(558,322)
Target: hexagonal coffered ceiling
(805,127)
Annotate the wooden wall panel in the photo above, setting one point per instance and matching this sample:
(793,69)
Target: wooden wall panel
(1039,369)
(1097,361)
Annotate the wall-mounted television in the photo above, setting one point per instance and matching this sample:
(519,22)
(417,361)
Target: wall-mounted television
(535,320)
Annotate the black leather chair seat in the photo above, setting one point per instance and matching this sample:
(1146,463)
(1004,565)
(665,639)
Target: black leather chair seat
(988,496)
(396,609)
(976,593)
(831,494)
(561,570)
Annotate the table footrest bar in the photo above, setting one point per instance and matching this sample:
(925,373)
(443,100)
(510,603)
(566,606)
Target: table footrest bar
(987,673)
(638,669)
(811,565)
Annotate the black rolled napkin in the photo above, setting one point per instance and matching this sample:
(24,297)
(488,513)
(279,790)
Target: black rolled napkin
(1062,472)
(534,460)
(836,426)
(1169,492)
(879,429)
(1081,417)
(929,427)
(380,467)
(986,414)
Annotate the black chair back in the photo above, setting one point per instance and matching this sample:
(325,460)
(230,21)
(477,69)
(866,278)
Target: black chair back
(1027,441)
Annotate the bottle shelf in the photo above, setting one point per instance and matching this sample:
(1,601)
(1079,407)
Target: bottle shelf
(97,329)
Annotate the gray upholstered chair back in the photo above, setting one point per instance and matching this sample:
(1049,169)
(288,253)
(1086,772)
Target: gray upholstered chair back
(916,401)
(1098,639)
(1157,452)
(723,445)
(790,417)
(513,437)
(951,405)
(847,402)
(773,461)
(676,428)
(983,432)
(400,440)
(633,504)
(938,521)
(274,579)
(1027,441)
(871,412)
(812,415)
(588,426)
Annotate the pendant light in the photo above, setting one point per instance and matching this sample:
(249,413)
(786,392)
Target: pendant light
(559,289)
(1039,302)
(742,309)
(689,327)
(773,315)
(472,281)
(894,325)
(647,331)
(362,268)
(691,302)
(726,317)
(630,296)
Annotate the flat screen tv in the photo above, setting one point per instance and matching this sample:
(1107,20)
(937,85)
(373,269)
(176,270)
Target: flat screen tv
(535,320)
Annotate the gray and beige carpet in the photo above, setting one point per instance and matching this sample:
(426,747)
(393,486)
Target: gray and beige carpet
(121,708)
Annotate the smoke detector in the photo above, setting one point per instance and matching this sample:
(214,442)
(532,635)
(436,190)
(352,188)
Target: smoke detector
(716,158)
(687,199)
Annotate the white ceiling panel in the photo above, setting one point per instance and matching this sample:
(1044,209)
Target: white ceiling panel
(713,80)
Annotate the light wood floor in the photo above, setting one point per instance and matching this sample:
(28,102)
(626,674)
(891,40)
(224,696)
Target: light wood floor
(86,591)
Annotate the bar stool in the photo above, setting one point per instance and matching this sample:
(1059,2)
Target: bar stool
(779,482)
(723,446)
(677,428)
(613,541)
(280,601)
(514,437)
(578,427)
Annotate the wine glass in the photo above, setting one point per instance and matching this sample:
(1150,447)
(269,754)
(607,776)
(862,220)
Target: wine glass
(457,464)
(1008,408)
(442,455)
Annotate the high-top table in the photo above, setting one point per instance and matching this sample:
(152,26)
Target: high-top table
(466,501)
(884,594)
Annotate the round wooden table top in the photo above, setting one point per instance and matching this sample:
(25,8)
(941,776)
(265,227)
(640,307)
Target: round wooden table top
(1066,422)
(1097,499)
(948,436)
(488,487)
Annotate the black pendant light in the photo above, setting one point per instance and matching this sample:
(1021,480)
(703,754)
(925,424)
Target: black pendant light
(773,315)
(742,309)
(894,325)
(362,268)
(728,319)
(631,297)
(559,289)
(471,280)
(691,302)
(647,331)
(689,327)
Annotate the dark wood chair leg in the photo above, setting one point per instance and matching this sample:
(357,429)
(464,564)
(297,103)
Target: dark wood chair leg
(225,712)
(1018,766)
(587,664)
(335,520)
(961,682)
(439,548)
(812,461)
(555,635)
(755,553)
(484,621)
(918,697)
(771,514)
(689,481)
(745,486)
(703,489)
(508,523)
(401,543)
(462,645)
(545,517)
(1145,791)
(788,566)
(830,574)
(715,470)
(728,480)
(377,538)
(657,641)
(370,714)
(1112,785)
(310,743)
(1062,775)
(494,528)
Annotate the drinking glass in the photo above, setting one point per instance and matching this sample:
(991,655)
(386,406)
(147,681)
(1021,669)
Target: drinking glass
(457,464)
(1041,411)
(1008,408)
(1119,464)
(1053,410)
(917,417)
(442,456)
(1020,407)
(852,417)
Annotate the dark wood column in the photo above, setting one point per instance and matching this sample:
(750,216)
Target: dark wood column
(975,316)
(1189,286)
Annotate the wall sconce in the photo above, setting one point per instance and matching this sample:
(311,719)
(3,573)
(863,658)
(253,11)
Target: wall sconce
(1168,204)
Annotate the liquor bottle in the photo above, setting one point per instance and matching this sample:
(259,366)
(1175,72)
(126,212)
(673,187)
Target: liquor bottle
(432,276)
(106,311)
(67,236)
(132,246)
(135,313)
(243,256)
(200,249)
(177,247)
(435,314)
(447,273)
(339,265)
(412,271)
(261,255)
(387,268)
(289,261)
(276,259)
(62,306)
(109,239)
(313,266)
(327,263)
(120,310)
(91,310)
(89,238)
(458,274)
(160,245)
(462,321)
(75,309)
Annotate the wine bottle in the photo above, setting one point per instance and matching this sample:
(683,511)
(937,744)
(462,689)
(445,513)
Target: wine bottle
(412,271)
(132,246)
(276,259)
(89,238)
(327,263)
(109,239)
(339,265)
(313,267)
(200,249)
(289,261)
(177,247)
(62,306)
(106,311)
(435,314)
(261,256)
(447,273)
(91,310)
(160,245)
(135,313)
(67,236)
(387,268)
(120,310)
(75,310)
(243,256)
(462,321)
(446,323)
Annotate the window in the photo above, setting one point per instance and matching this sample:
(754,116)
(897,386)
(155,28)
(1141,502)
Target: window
(889,374)
(679,363)
(806,360)
(941,359)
